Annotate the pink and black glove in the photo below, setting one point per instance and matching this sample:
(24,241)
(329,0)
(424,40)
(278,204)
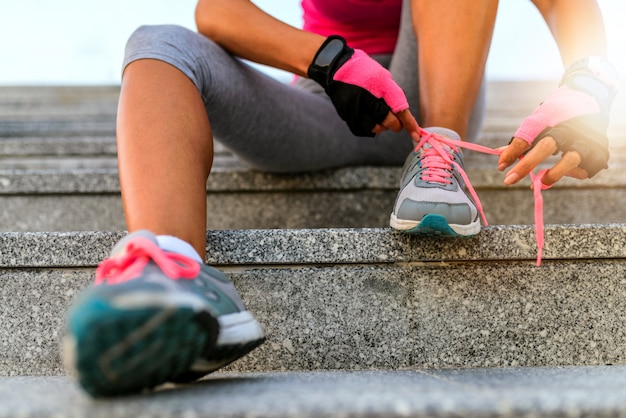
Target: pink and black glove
(576,115)
(361,89)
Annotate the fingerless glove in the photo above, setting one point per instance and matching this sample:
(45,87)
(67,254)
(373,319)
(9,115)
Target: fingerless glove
(576,115)
(362,90)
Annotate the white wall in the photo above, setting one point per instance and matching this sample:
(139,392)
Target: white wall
(81,41)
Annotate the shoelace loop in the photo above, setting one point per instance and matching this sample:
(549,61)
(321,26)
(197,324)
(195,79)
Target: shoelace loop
(137,254)
(441,172)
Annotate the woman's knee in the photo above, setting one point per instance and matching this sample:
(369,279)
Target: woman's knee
(176,45)
(159,40)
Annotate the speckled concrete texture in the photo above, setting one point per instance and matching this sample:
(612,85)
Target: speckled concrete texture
(300,209)
(388,246)
(329,246)
(352,317)
(60,173)
(52,181)
(103,212)
(57,146)
(516,392)
(438,316)
(51,199)
(64,175)
(32,318)
(41,213)
(60,157)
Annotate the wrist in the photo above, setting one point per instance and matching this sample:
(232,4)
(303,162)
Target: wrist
(331,55)
(595,76)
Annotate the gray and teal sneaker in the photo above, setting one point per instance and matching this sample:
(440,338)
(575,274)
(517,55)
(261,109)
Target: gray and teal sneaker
(433,197)
(154,317)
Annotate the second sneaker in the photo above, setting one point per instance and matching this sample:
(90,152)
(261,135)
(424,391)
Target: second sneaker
(154,317)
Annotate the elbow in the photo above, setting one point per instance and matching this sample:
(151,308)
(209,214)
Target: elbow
(206,17)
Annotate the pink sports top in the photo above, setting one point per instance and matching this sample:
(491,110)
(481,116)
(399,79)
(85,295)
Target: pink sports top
(370,25)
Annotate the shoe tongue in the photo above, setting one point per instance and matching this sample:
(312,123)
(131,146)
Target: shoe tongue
(448,133)
(121,245)
(446,147)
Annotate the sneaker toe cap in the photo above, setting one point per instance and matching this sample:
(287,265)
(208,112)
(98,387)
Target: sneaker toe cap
(455,213)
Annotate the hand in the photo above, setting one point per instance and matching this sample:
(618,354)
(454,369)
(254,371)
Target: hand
(574,120)
(568,165)
(395,122)
(362,90)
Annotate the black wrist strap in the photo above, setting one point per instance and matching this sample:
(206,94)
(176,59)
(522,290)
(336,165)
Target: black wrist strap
(595,76)
(333,53)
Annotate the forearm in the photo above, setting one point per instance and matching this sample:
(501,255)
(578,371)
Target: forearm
(248,32)
(453,43)
(577,27)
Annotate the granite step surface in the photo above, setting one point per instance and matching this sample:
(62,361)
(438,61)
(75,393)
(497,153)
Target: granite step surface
(80,111)
(87,197)
(58,172)
(26,107)
(75,186)
(361,299)
(507,392)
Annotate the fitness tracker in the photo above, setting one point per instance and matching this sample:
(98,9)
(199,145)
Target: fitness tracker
(332,54)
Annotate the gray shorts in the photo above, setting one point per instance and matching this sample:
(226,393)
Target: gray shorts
(273,126)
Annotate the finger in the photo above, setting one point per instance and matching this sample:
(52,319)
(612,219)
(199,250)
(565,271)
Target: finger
(512,152)
(542,150)
(578,173)
(379,129)
(409,123)
(565,165)
(392,122)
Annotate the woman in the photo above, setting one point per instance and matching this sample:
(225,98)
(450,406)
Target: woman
(181,89)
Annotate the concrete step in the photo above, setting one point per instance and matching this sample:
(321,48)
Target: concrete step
(411,311)
(80,120)
(70,183)
(58,198)
(58,172)
(75,110)
(514,392)
(354,299)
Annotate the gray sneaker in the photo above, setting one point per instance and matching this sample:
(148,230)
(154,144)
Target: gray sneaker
(433,199)
(154,317)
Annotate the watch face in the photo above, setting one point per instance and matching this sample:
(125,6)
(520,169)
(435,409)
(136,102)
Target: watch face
(328,54)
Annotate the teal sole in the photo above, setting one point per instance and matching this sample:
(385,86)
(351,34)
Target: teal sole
(434,225)
(118,352)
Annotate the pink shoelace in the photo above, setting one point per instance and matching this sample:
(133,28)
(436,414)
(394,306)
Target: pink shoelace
(538,186)
(439,170)
(136,256)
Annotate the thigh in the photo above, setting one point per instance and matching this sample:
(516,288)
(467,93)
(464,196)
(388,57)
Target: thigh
(276,127)
(270,125)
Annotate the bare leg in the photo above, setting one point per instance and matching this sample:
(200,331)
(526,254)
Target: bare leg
(165,152)
(453,39)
